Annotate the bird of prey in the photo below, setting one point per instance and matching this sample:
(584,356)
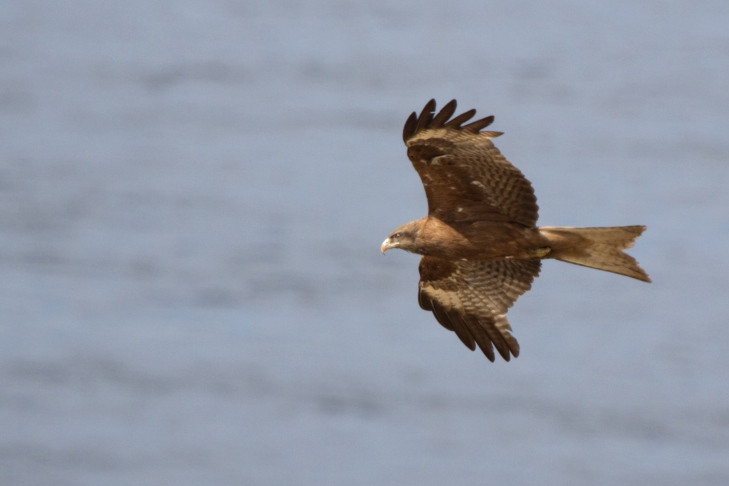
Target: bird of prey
(480,243)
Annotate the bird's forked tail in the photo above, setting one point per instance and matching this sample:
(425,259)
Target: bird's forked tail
(600,248)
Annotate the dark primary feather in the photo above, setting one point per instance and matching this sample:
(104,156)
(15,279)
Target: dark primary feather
(427,120)
(425,116)
(463,117)
(478,125)
(445,113)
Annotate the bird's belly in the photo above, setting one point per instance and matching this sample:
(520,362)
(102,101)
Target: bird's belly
(492,241)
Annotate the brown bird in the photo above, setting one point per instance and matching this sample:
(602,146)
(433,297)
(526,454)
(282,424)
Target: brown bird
(480,243)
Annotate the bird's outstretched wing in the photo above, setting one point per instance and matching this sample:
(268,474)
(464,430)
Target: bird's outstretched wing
(471,298)
(465,176)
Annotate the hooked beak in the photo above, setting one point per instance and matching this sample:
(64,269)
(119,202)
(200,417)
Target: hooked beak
(385,246)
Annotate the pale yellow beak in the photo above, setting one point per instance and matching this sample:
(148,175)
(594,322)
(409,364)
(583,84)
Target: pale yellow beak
(385,246)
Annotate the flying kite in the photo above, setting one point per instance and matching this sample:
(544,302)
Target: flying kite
(480,243)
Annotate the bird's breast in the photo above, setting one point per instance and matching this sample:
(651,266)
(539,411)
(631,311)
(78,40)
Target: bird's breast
(481,240)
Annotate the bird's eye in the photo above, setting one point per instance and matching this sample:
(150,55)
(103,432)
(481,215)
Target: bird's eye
(396,235)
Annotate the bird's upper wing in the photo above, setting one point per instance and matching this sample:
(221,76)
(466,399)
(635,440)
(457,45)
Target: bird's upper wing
(472,297)
(465,176)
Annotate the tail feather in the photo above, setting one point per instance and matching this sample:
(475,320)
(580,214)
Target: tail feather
(600,248)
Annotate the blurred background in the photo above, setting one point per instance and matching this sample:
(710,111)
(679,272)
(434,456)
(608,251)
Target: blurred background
(192,199)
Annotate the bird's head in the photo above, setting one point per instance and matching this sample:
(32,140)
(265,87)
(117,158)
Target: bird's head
(403,237)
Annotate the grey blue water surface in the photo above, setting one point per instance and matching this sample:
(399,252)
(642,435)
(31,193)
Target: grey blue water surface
(192,199)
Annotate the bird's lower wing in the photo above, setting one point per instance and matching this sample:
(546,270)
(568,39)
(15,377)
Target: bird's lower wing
(471,297)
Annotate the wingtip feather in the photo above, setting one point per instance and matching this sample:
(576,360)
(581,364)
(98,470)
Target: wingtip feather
(428,119)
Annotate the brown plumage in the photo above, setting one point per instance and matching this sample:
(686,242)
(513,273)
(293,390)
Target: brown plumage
(480,244)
